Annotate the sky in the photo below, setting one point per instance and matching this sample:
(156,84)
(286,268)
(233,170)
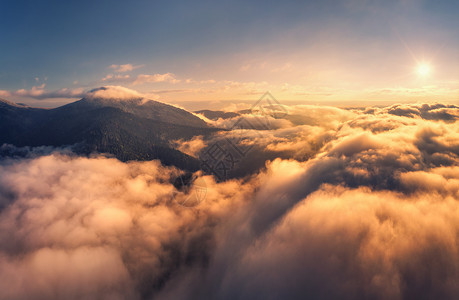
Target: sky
(342,52)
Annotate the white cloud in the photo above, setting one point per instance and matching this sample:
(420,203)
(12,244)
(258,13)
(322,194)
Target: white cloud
(153,78)
(116,78)
(41,93)
(113,92)
(125,67)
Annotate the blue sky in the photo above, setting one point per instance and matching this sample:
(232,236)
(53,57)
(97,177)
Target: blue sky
(223,50)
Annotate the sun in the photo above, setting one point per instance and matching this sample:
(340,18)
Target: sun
(423,69)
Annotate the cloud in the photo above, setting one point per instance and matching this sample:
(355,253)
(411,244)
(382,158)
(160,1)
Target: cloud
(191,147)
(120,243)
(363,205)
(308,131)
(106,92)
(125,68)
(147,78)
(354,243)
(4,93)
(117,78)
(40,93)
(447,113)
(113,92)
(141,79)
(250,121)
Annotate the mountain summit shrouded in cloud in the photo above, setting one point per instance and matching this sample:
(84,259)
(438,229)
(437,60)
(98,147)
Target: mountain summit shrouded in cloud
(353,204)
(112,120)
(114,93)
(131,101)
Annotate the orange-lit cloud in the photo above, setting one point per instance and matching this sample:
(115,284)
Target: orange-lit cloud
(125,67)
(361,207)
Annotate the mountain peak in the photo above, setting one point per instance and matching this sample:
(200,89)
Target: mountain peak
(133,102)
(114,93)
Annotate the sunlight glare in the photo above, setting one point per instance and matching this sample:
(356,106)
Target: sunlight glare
(423,69)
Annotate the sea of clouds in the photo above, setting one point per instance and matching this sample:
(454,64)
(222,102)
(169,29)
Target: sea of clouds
(361,204)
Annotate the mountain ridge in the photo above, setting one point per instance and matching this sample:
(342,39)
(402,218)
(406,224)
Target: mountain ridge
(130,131)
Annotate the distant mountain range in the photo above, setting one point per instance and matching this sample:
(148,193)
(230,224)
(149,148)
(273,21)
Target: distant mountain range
(130,128)
(217,114)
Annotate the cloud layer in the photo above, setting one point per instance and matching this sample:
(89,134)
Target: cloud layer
(361,207)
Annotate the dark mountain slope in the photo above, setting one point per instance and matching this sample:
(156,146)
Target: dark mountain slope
(102,129)
(15,120)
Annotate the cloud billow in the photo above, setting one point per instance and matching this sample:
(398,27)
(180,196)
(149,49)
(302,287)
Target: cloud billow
(370,212)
